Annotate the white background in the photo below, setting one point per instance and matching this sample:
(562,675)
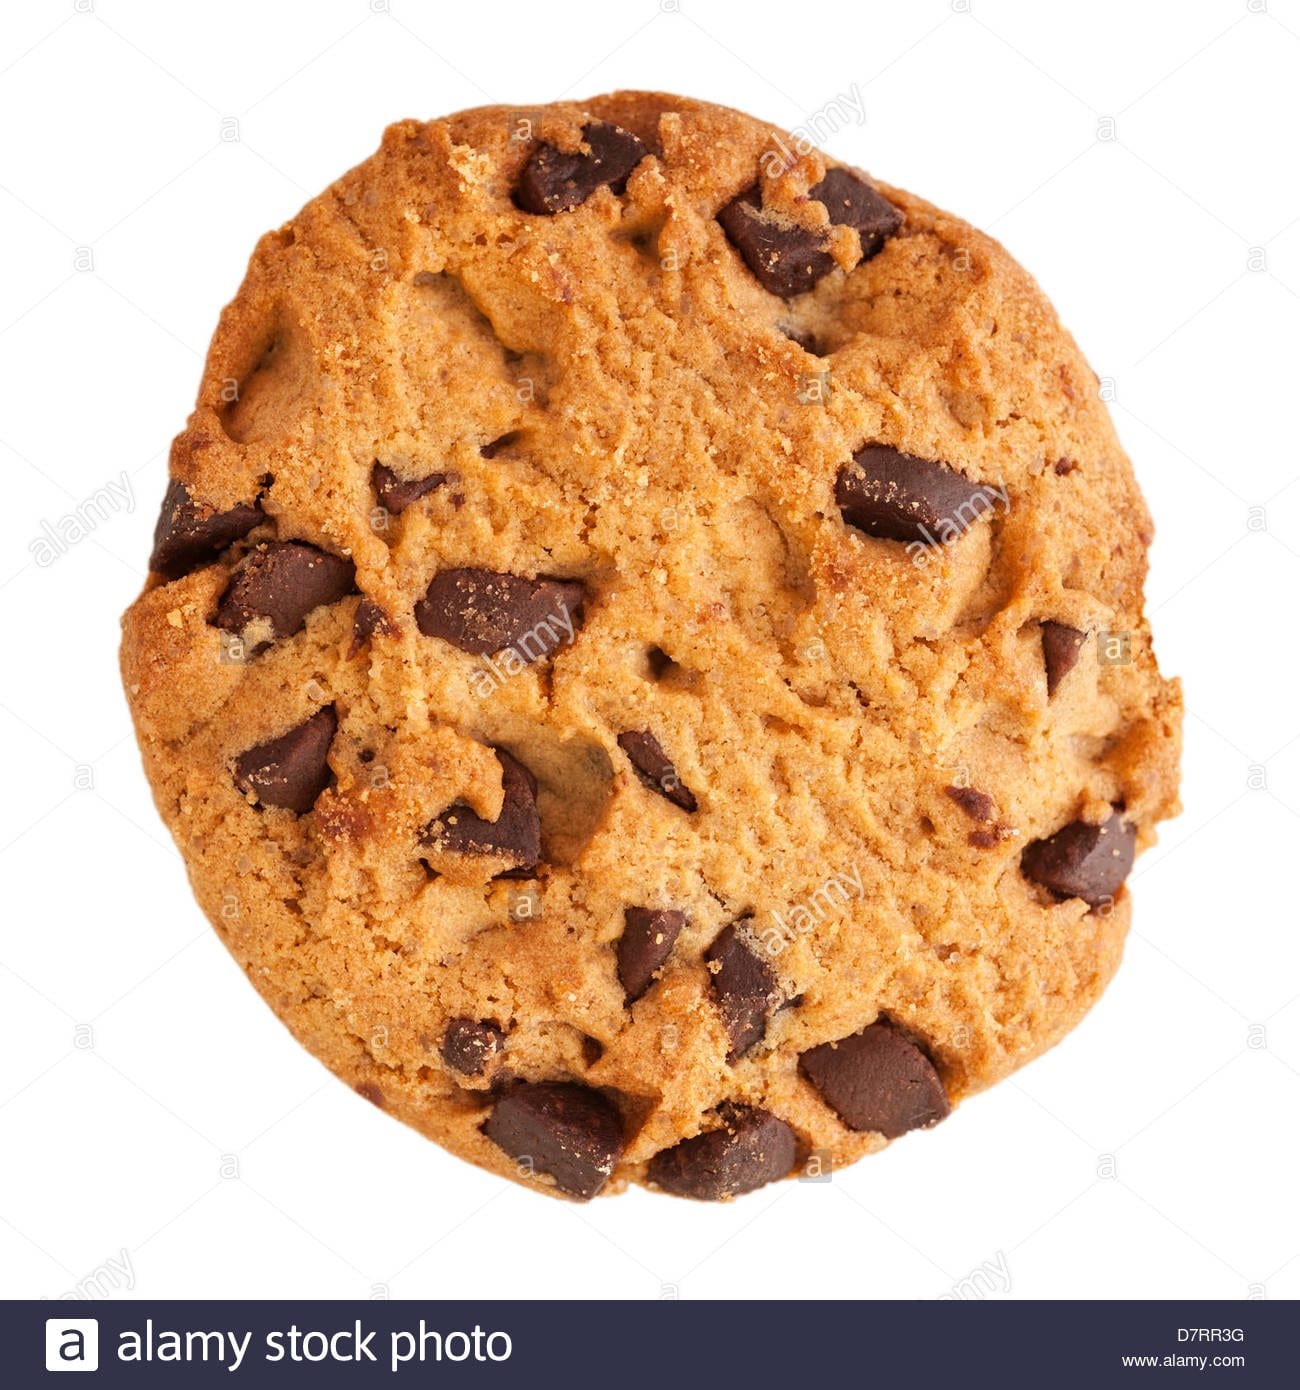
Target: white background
(150,1104)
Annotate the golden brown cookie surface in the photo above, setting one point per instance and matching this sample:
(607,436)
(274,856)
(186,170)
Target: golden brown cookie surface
(644,661)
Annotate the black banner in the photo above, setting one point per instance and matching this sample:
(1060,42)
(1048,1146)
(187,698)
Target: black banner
(660,1345)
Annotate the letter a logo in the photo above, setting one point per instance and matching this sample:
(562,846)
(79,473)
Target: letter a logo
(71,1344)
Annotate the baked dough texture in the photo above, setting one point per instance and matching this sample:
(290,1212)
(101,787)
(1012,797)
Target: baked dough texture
(644,657)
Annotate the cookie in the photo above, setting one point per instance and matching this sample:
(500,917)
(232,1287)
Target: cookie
(644,657)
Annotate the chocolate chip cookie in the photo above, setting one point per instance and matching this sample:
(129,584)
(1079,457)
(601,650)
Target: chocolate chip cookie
(643,657)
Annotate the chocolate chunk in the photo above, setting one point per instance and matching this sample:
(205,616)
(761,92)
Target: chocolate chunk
(1061,647)
(283,581)
(515,834)
(985,839)
(483,612)
(553,181)
(1063,467)
(902,498)
(366,621)
(785,258)
(977,805)
(371,1092)
(396,494)
(745,988)
(853,202)
(751,1149)
(190,534)
(1083,861)
(592,1049)
(505,441)
(788,259)
(290,771)
(647,941)
(559,1127)
(654,768)
(877,1081)
(469,1043)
